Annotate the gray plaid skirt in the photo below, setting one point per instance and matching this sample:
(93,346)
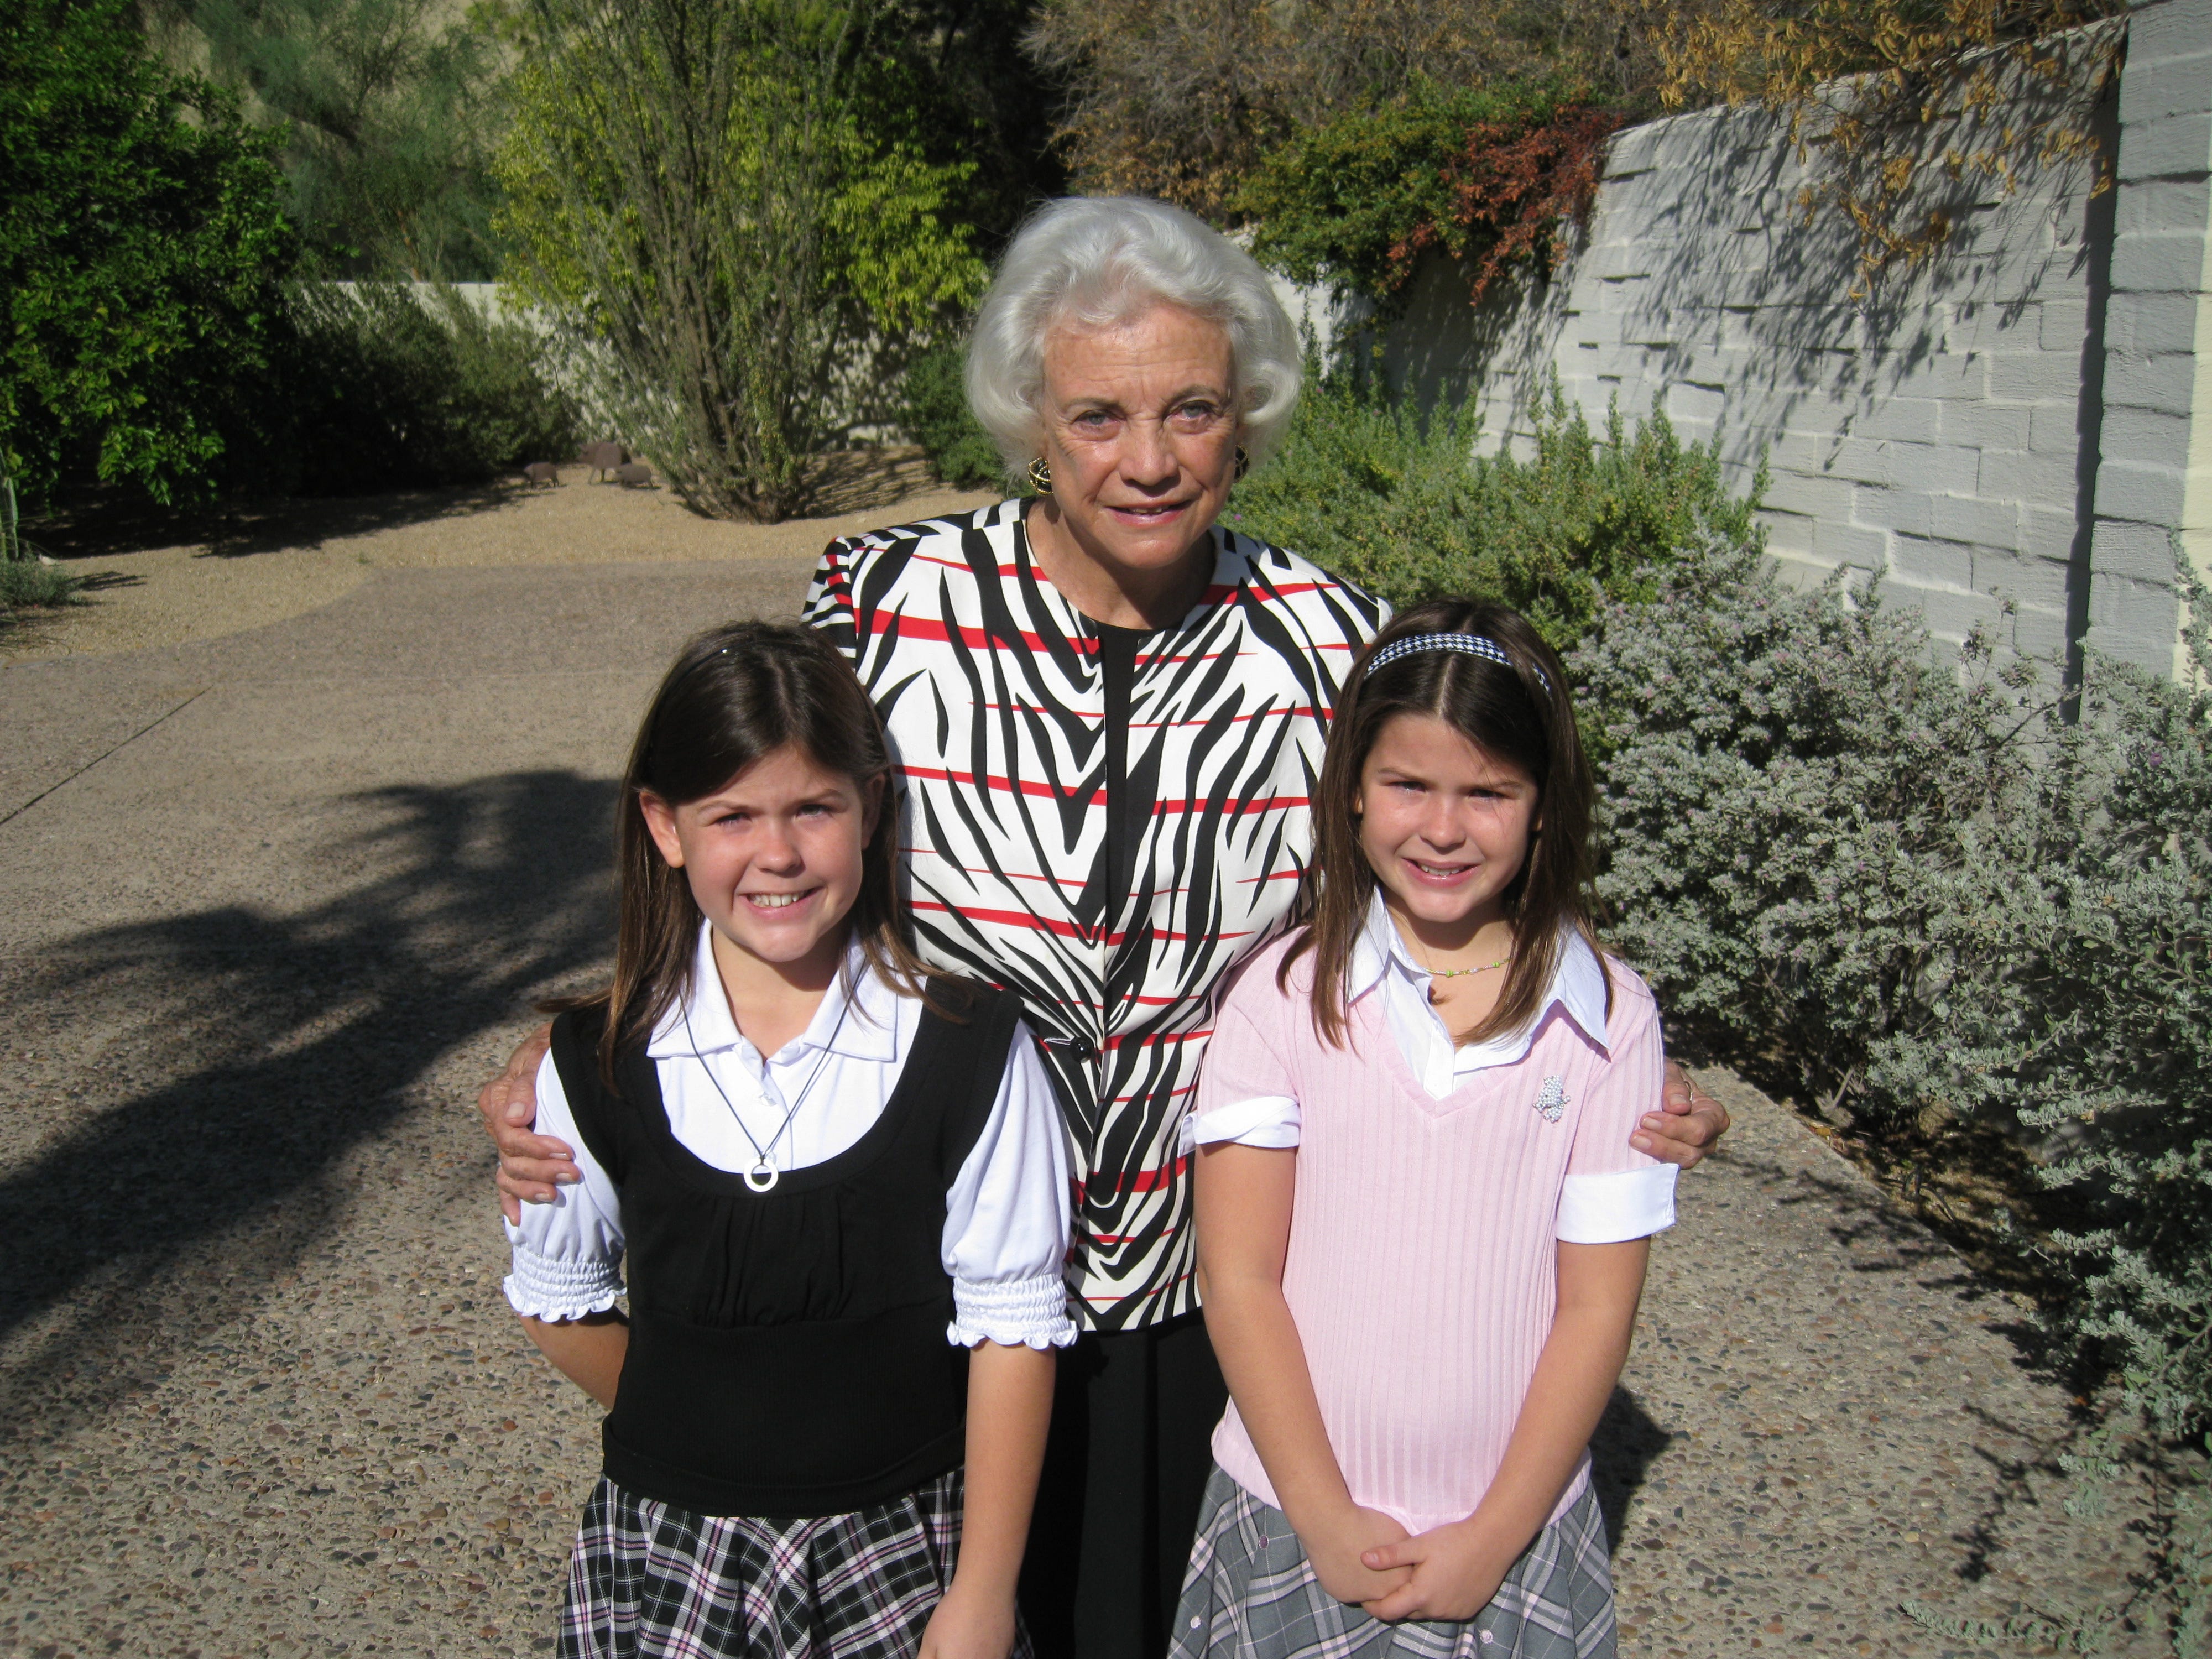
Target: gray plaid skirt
(647,1579)
(1251,1594)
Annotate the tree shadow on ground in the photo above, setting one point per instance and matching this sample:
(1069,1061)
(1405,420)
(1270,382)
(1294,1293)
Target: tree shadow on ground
(104,522)
(282,1042)
(861,480)
(2019,1485)
(1622,1451)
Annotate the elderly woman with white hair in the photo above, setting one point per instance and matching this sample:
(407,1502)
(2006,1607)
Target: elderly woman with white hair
(1107,711)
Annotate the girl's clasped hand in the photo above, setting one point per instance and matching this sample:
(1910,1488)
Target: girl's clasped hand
(1431,1084)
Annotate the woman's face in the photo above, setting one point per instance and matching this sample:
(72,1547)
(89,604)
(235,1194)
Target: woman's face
(1140,430)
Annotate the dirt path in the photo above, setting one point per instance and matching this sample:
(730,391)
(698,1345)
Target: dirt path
(279,895)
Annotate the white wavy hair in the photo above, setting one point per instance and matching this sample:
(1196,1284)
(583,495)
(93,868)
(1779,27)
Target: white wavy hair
(1094,262)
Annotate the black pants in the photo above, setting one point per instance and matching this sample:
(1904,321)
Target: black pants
(1124,1471)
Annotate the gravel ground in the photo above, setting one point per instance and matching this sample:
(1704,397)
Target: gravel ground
(258,1391)
(266,563)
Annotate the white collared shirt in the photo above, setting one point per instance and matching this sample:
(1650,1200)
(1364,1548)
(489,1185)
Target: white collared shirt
(1593,1209)
(1005,1241)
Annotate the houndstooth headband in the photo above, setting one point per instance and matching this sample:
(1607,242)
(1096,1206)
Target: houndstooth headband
(1475,645)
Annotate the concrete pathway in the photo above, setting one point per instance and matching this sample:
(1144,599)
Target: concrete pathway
(275,901)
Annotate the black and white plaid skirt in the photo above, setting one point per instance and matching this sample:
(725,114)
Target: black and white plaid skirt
(647,1579)
(1251,1594)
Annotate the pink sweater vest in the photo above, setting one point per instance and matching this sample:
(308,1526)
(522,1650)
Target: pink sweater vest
(1421,1266)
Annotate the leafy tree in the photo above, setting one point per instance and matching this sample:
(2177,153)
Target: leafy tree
(734,213)
(977,99)
(142,248)
(387,110)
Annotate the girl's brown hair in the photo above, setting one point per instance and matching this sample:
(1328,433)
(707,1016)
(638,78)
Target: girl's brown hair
(735,695)
(1519,714)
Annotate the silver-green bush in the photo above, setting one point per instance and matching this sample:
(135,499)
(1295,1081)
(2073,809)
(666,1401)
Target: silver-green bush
(1816,830)
(1935,892)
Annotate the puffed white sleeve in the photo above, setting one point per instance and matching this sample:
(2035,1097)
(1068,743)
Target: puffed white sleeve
(1007,1216)
(568,1254)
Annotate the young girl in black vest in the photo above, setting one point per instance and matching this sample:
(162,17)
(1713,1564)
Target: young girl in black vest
(842,1185)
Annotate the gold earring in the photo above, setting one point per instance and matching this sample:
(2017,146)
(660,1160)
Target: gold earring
(1040,476)
(1244,462)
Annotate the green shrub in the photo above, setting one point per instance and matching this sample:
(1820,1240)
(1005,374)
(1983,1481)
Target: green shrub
(1377,491)
(1933,896)
(936,417)
(395,387)
(142,248)
(2119,1075)
(1488,174)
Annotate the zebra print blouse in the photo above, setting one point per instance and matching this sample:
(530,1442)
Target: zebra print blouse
(992,687)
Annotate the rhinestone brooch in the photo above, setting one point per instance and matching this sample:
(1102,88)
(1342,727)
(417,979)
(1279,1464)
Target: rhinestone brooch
(1551,1098)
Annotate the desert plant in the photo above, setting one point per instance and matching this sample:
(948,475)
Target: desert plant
(707,195)
(34,583)
(24,578)
(12,548)
(1393,497)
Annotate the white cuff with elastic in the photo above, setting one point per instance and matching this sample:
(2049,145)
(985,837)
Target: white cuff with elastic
(545,1289)
(1015,1313)
(1612,1209)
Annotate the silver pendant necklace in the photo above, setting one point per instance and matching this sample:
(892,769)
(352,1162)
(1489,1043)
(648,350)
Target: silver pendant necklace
(763,1175)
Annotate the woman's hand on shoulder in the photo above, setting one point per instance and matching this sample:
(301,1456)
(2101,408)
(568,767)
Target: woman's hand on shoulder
(969,1626)
(1450,1572)
(532,1168)
(1338,1548)
(1689,1125)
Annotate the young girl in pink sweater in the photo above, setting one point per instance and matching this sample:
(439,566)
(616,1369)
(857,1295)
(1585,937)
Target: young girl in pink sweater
(1421,1229)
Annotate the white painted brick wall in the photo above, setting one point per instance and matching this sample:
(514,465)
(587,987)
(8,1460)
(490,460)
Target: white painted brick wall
(1914,435)
(2155,483)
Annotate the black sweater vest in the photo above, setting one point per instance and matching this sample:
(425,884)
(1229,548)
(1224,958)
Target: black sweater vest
(787,1352)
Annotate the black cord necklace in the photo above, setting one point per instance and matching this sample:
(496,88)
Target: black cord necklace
(763,1175)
